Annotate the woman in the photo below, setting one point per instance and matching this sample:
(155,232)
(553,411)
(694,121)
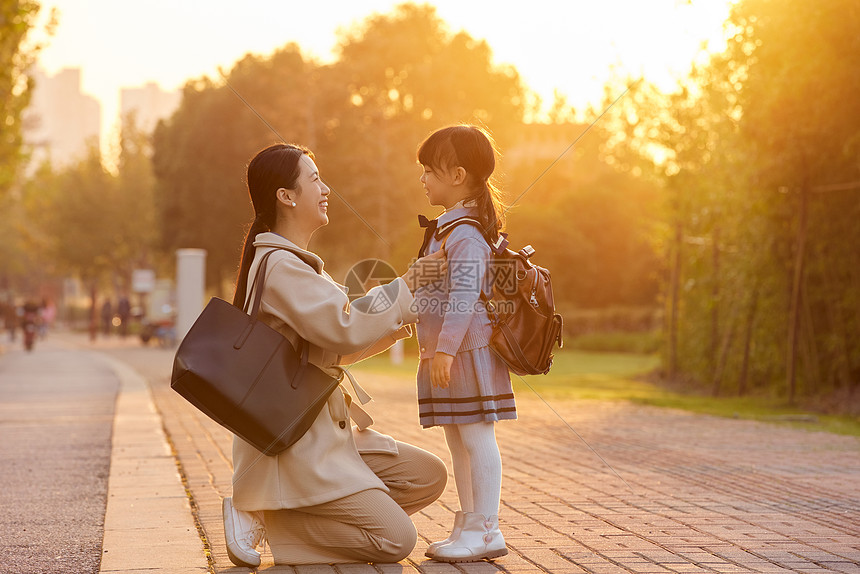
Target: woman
(342,493)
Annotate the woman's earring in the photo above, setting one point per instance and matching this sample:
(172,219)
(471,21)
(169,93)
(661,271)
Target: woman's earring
(293,203)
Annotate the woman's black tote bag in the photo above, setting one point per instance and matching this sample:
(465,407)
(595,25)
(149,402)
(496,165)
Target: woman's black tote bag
(247,377)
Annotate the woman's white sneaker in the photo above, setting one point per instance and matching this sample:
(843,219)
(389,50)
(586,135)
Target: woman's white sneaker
(244,531)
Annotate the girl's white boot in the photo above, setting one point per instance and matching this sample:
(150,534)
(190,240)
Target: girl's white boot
(458,526)
(479,538)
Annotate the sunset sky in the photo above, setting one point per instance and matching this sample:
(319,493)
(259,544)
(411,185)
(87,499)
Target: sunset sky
(571,46)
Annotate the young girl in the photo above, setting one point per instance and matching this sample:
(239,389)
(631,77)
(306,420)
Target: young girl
(462,385)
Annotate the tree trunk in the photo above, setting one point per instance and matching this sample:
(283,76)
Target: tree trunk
(720,366)
(742,383)
(94,312)
(675,289)
(810,345)
(715,299)
(837,321)
(853,381)
(794,311)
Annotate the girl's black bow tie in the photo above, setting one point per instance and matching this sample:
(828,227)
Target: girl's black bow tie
(429,226)
(427,223)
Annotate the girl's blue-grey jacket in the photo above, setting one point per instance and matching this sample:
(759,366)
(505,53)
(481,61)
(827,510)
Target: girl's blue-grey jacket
(451,315)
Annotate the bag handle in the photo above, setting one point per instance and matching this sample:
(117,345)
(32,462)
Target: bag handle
(260,277)
(257,287)
(257,290)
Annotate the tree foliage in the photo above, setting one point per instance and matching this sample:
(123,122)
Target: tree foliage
(589,220)
(86,222)
(760,161)
(17,55)
(398,76)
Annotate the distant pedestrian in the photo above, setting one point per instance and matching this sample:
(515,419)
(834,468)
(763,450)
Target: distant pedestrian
(30,322)
(10,319)
(49,315)
(123,309)
(107,317)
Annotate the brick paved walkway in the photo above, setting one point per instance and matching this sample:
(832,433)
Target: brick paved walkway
(705,494)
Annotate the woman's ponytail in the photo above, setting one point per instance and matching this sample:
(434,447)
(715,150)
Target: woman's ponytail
(258,226)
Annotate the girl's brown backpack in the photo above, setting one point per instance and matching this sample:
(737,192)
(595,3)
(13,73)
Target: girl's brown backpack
(526,327)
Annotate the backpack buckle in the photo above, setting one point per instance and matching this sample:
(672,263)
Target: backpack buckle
(500,244)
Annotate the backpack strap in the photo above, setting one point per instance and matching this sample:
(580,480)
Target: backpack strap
(497,247)
(432,230)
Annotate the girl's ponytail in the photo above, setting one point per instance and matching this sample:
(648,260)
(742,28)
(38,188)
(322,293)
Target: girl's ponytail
(491,209)
(477,152)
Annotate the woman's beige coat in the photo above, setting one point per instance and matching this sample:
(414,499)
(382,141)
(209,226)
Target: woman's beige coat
(300,299)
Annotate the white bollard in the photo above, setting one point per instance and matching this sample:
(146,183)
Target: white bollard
(190,288)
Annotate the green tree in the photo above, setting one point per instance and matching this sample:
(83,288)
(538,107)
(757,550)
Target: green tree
(804,139)
(397,77)
(73,223)
(135,203)
(83,221)
(200,153)
(758,159)
(13,259)
(17,55)
(589,220)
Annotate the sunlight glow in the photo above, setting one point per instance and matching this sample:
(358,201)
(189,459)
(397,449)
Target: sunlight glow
(572,47)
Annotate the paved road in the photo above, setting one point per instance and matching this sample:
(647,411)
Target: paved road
(700,494)
(56,414)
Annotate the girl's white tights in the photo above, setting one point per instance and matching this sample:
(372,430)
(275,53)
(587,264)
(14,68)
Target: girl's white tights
(477,466)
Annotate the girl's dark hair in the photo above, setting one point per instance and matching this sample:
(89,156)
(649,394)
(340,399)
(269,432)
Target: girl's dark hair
(275,167)
(473,149)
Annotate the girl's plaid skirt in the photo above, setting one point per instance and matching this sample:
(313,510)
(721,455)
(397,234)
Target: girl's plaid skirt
(479,391)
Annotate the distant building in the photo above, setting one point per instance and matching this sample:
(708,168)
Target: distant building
(148,104)
(61,120)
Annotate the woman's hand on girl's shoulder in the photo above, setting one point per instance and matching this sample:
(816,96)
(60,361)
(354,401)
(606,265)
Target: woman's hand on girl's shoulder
(426,270)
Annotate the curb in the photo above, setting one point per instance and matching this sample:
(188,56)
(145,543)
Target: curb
(148,521)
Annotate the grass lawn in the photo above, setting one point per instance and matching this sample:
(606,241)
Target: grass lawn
(584,375)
